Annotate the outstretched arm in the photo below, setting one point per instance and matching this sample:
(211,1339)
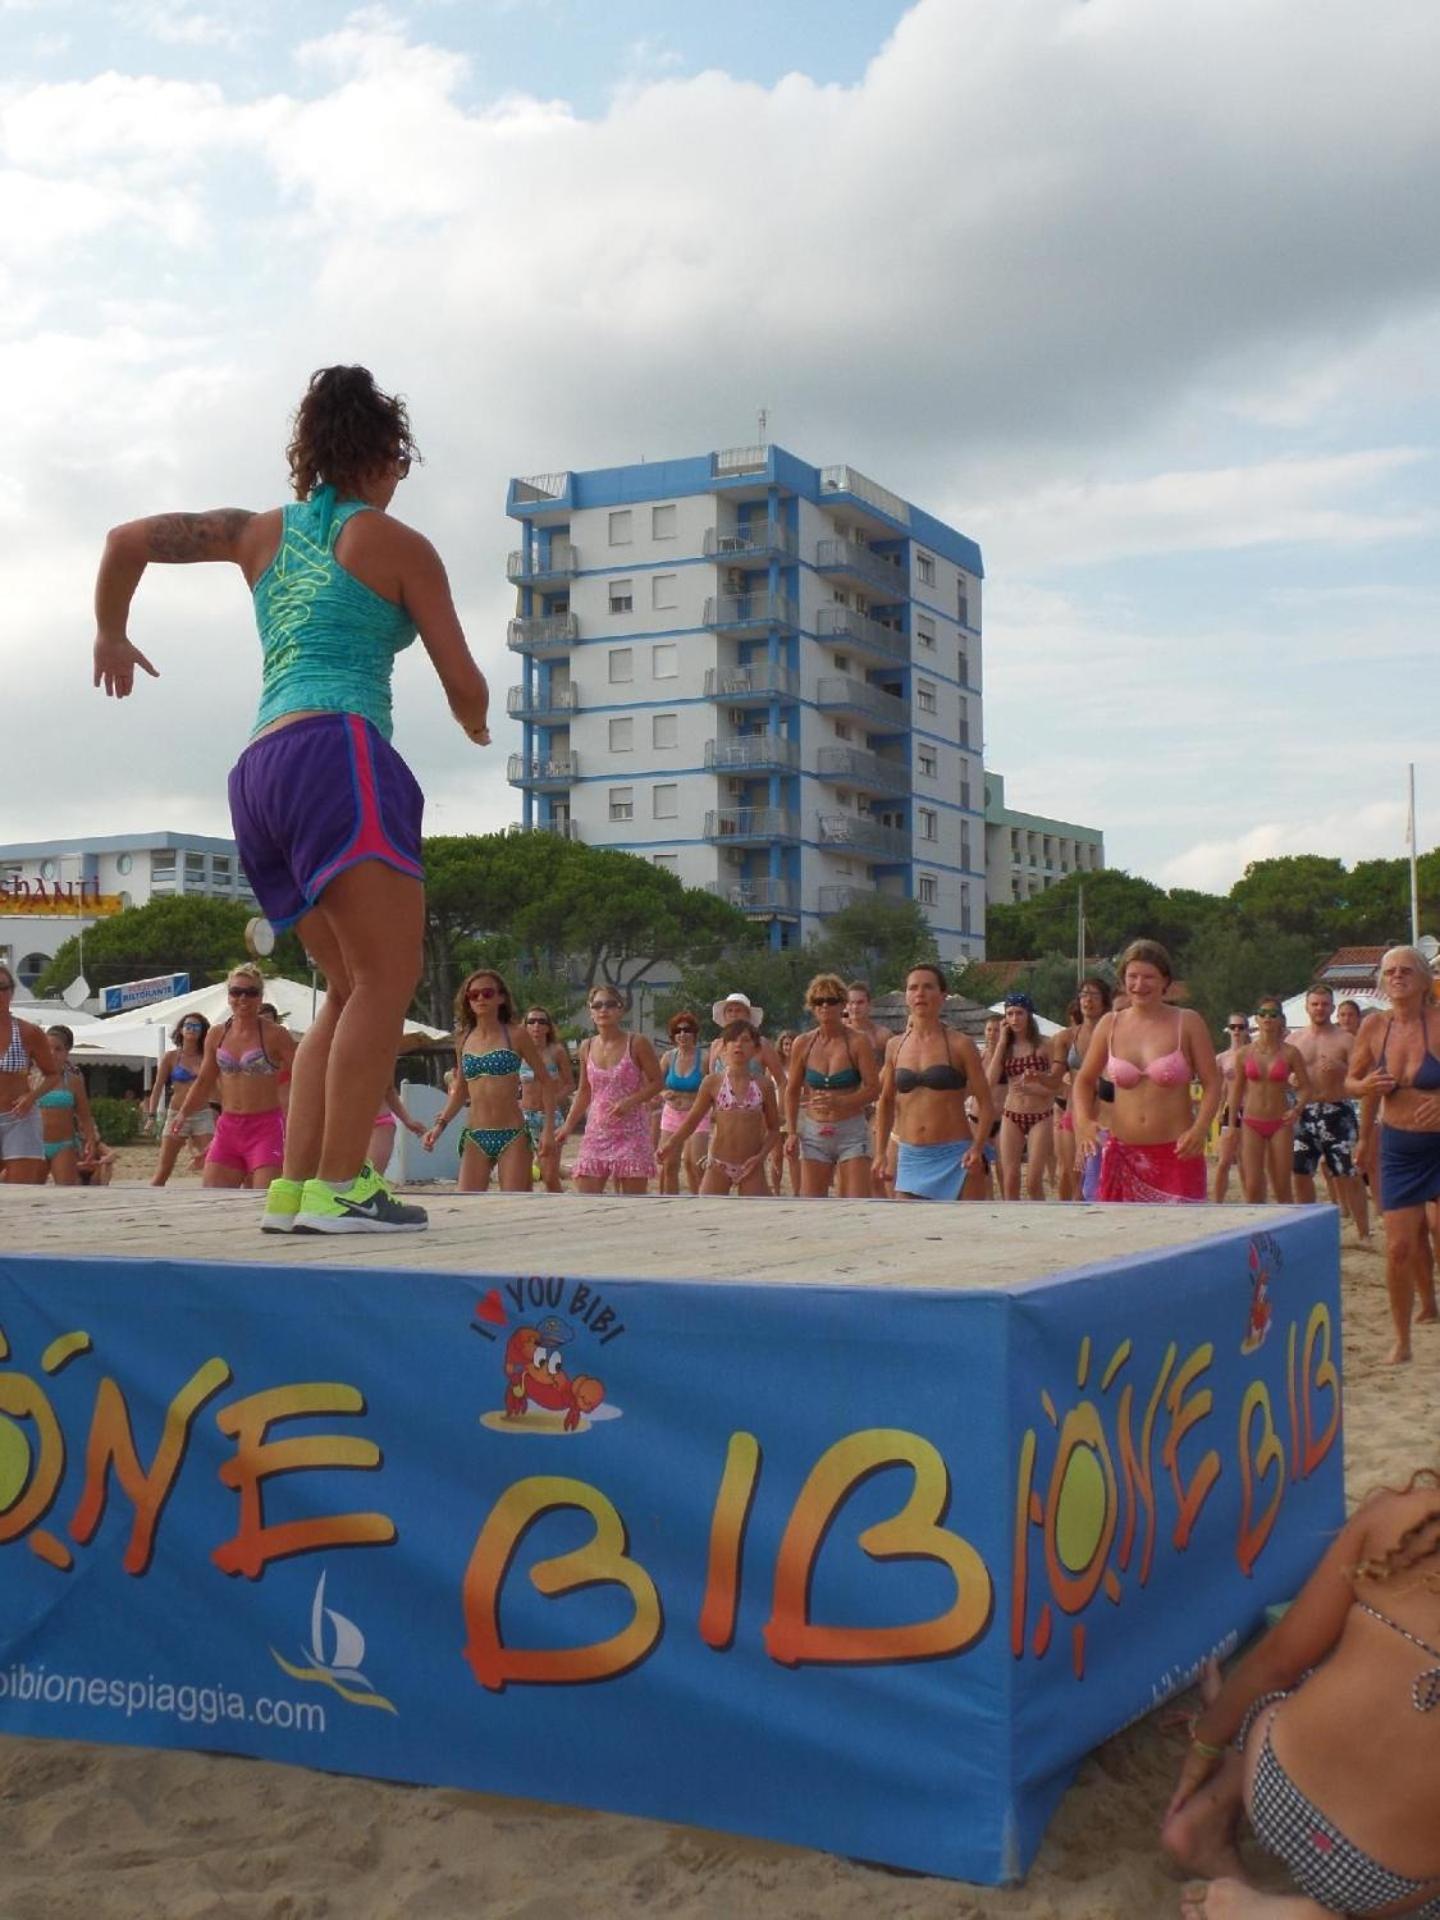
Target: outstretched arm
(426,591)
(172,539)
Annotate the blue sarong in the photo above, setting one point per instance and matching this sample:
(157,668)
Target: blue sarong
(1409,1167)
(933,1172)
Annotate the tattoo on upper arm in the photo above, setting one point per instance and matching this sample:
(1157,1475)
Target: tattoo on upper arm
(196,536)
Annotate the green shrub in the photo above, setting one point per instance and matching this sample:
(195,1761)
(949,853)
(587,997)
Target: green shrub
(116,1121)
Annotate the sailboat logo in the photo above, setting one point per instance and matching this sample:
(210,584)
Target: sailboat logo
(335,1654)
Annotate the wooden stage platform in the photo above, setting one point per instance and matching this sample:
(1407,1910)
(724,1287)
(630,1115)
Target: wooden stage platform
(862,1243)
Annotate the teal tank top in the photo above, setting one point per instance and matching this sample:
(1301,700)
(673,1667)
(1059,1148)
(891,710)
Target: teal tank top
(328,641)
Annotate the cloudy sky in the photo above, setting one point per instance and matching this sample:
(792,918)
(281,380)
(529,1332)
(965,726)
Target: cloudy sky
(1146,298)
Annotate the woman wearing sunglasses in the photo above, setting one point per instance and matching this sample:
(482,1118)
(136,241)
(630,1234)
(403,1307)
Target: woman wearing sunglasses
(326,814)
(489,1053)
(619,1077)
(683,1069)
(1264,1070)
(556,1056)
(832,1082)
(244,1057)
(180,1068)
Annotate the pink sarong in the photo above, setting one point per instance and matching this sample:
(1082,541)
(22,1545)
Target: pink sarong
(1154,1176)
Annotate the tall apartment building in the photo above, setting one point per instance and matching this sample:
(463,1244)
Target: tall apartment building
(762,675)
(1025,853)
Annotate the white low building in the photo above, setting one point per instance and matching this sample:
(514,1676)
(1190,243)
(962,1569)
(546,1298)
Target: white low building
(50,890)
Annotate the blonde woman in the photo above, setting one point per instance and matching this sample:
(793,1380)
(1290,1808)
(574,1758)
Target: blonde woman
(24,1052)
(244,1058)
(832,1082)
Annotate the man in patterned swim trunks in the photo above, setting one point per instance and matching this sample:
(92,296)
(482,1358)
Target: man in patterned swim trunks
(1326,1129)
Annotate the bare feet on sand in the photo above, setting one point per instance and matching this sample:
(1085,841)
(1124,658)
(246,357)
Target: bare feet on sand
(1398,1354)
(1233,1900)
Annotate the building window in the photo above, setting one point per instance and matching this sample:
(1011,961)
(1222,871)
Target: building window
(664,590)
(925,631)
(620,534)
(622,665)
(964,721)
(622,596)
(929,823)
(665,730)
(842,730)
(842,662)
(964,908)
(667,862)
(662,523)
(667,800)
(124,863)
(964,843)
(925,695)
(622,803)
(965,787)
(962,601)
(926,890)
(49,870)
(622,734)
(664,662)
(927,761)
(962,665)
(925,569)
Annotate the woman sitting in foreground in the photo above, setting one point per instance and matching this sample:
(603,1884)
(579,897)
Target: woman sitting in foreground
(1327,1734)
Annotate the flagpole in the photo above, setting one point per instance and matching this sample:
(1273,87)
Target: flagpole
(1414,879)
(1080,936)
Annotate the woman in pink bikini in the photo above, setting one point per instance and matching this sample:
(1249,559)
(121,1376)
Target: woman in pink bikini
(746,1118)
(1151,1053)
(244,1057)
(1023,1065)
(1264,1069)
(619,1077)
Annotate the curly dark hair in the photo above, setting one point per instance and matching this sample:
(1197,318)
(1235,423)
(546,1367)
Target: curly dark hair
(346,428)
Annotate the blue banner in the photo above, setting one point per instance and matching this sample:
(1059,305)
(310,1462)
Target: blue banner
(868,1570)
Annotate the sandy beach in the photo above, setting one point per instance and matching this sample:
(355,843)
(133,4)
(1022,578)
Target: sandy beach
(125,1834)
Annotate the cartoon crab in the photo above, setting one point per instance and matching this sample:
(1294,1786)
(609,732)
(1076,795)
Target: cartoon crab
(535,1370)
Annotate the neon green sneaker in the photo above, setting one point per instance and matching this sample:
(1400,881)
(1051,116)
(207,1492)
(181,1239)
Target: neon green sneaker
(282,1204)
(365,1206)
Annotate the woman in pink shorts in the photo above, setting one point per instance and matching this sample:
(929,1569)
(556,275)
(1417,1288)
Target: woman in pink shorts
(619,1077)
(244,1058)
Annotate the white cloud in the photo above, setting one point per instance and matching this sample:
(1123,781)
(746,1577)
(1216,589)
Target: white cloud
(1042,270)
(1375,831)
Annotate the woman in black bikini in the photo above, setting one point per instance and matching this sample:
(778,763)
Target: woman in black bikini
(1327,1734)
(928,1071)
(1395,1064)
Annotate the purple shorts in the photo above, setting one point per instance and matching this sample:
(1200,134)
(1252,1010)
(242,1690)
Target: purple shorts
(314,798)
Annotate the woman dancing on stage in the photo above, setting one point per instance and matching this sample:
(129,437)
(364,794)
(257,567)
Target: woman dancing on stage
(65,1112)
(928,1071)
(1397,1059)
(23,1047)
(1150,1052)
(745,1115)
(683,1072)
(619,1077)
(180,1067)
(833,1068)
(326,814)
(244,1058)
(1325,1734)
(490,1052)
(1263,1072)
(1023,1062)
